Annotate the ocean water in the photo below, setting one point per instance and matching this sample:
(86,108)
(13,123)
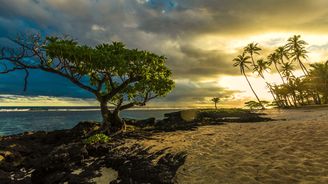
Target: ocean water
(14,120)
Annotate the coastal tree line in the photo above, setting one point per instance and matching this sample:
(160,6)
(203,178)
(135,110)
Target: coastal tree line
(309,88)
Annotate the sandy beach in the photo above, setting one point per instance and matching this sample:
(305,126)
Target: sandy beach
(292,149)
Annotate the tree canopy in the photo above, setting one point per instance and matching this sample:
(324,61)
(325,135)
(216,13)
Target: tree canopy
(113,73)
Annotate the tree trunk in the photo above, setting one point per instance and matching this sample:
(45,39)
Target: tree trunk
(325,97)
(215,106)
(319,99)
(283,81)
(289,102)
(305,71)
(117,124)
(112,122)
(253,91)
(252,59)
(294,99)
(270,88)
(307,99)
(105,113)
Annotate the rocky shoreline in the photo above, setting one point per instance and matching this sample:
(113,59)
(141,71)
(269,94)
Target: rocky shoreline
(63,157)
(52,157)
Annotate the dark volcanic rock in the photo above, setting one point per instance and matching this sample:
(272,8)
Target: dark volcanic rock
(51,157)
(136,165)
(37,150)
(84,128)
(230,115)
(173,116)
(4,177)
(141,123)
(56,166)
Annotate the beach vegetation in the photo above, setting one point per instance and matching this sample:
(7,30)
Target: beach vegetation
(255,105)
(97,138)
(216,100)
(118,77)
(242,61)
(293,91)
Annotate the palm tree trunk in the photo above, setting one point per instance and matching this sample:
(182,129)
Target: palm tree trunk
(288,101)
(305,71)
(269,86)
(253,60)
(307,99)
(279,100)
(302,98)
(325,98)
(253,91)
(283,81)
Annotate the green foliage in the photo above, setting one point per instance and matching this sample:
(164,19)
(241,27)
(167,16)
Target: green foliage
(215,100)
(242,61)
(260,67)
(252,49)
(255,105)
(116,64)
(113,73)
(311,88)
(318,79)
(97,138)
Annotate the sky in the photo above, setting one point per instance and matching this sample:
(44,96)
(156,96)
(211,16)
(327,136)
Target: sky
(199,37)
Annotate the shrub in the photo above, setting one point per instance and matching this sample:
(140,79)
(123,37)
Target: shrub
(97,138)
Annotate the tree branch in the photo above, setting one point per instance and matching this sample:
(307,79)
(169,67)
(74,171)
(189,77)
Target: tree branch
(26,79)
(72,79)
(124,84)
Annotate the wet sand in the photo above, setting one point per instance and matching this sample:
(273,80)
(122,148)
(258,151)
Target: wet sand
(293,149)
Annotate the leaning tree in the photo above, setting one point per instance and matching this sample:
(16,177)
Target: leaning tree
(120,78)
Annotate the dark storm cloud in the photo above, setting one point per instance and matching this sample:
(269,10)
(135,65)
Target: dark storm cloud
(194,92)
(166,27)
(241,17)
(40,83)
(203,63)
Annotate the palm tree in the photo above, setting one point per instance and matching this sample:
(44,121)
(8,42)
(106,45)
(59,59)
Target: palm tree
(301,89)
(260,67)
(281,100)
(282,52)
(319,78)
(273,58)
(215,100)
(252,49)
(296,47)
(242,61)
(287,69)
(292,88)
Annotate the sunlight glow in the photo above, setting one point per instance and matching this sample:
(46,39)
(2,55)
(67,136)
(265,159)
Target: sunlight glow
(269,40)
(258,84)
